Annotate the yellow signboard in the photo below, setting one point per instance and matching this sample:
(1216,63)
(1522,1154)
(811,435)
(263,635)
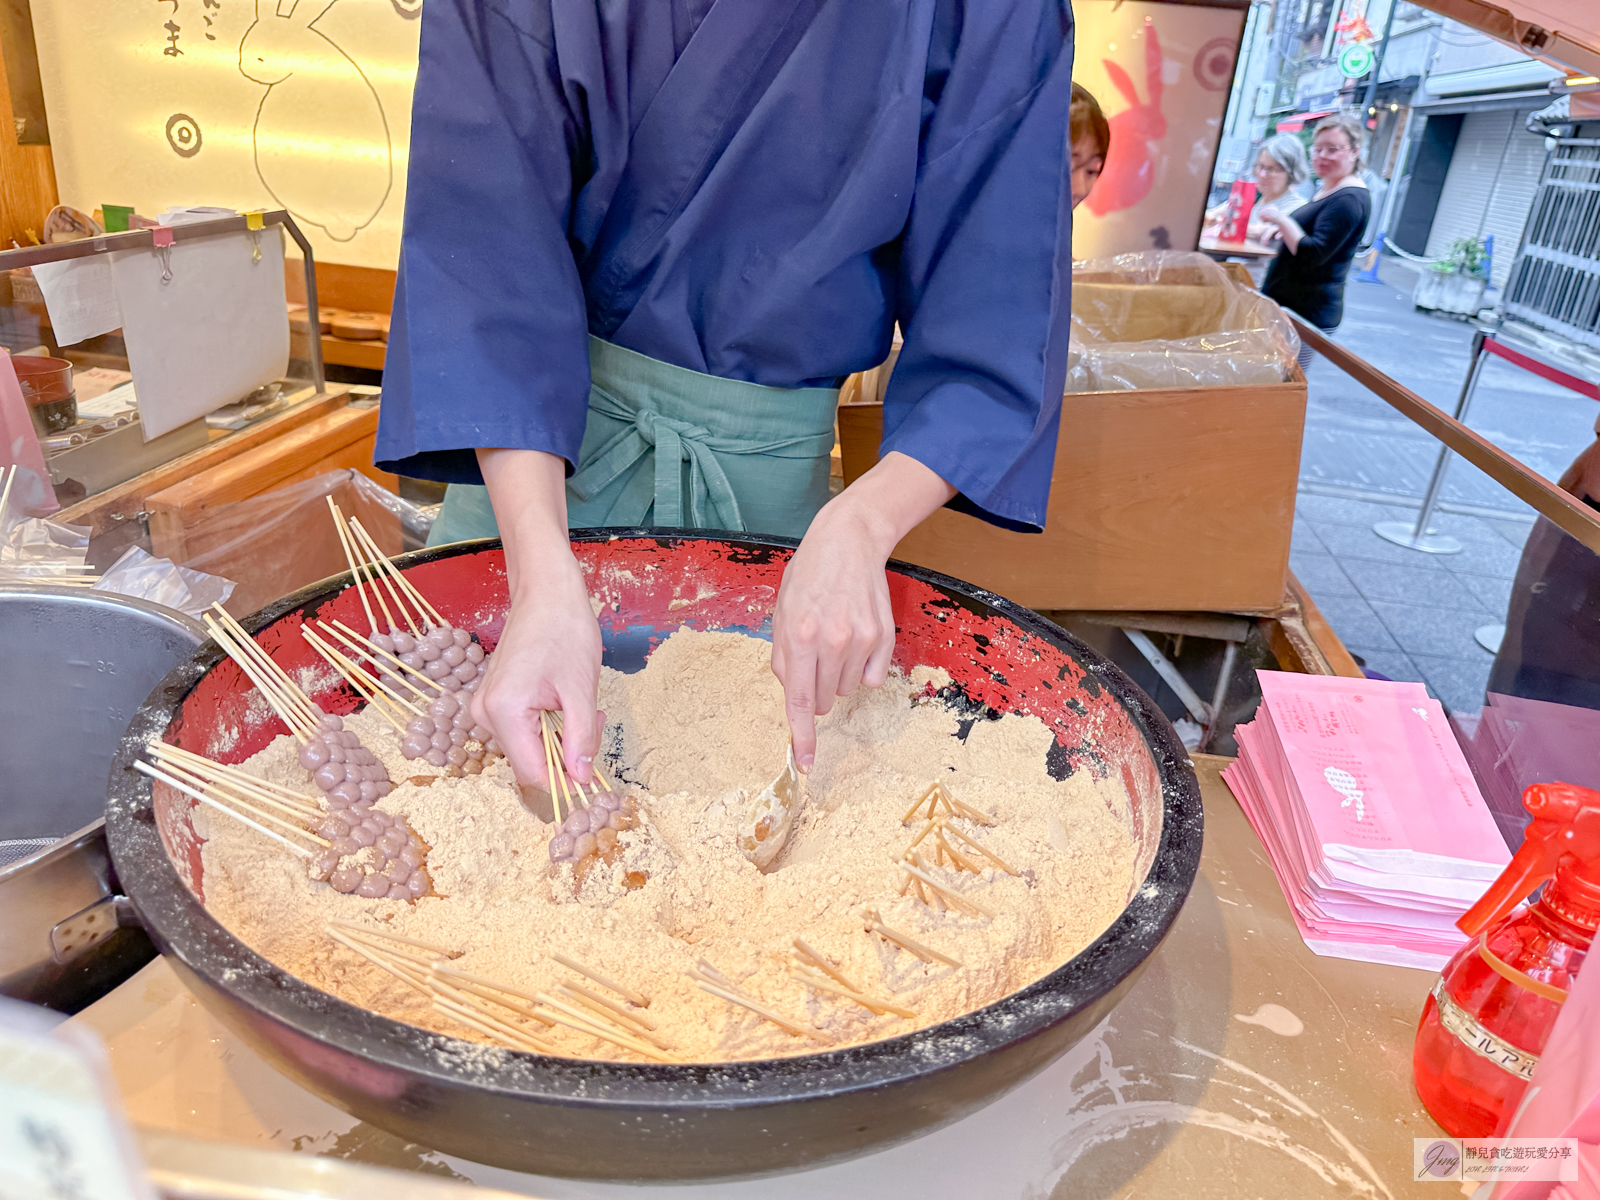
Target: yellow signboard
(297,104)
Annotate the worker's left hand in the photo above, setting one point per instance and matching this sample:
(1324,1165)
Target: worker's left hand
(833,629)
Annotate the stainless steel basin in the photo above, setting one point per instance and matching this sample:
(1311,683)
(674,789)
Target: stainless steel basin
(77,666)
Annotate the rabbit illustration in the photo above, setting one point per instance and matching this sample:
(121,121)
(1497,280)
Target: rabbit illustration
(1129,169)
(321,138)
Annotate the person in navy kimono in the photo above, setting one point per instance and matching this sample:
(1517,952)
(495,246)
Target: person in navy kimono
(645,241)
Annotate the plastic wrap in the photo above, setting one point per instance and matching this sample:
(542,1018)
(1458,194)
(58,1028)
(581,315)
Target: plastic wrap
(1172,319)
(38,550)
(282,540)
(162,581)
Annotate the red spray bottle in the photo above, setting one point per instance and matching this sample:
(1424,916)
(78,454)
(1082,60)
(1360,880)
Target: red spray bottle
(1485,1023)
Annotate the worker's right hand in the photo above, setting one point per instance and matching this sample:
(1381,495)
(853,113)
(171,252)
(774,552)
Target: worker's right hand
(548,660)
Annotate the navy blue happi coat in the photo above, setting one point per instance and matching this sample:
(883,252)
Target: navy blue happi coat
(753,189)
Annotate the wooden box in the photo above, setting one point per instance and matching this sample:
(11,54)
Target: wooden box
(1178,499)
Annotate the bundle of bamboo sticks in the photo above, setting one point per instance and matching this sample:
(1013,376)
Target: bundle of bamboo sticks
(500,1011)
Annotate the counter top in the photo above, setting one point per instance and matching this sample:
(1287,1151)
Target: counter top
(1240,1065)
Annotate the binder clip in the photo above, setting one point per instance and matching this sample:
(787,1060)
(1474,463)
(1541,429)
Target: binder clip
(253,222)
(161,239)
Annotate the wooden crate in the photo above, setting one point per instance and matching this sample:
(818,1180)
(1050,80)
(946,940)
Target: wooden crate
(1179,499)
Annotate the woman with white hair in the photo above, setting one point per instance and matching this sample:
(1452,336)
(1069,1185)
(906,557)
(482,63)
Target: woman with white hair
(1280,168)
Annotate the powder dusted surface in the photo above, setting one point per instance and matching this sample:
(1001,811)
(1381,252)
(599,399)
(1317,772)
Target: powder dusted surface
(696,736)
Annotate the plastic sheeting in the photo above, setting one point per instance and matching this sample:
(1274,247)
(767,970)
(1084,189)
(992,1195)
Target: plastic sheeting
(1172,319)
(163,582)
(278,542)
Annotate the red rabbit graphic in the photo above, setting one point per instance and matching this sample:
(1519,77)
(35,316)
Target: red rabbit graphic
(1129,171)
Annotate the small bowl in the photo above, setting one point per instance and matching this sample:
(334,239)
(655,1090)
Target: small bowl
(47,387)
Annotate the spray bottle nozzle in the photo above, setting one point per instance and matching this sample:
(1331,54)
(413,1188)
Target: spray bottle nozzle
(1566,824)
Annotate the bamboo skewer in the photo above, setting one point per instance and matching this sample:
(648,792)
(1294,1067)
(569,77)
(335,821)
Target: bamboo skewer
(350,558)
(452,1001)
(914,865)
(373,652)
(383,962)
(565,1014)
(906,942)
(371,575)
(267,793)
(457,973)
(438,951)
(595,1030)
(639,1019)
(282,693)
(809,961)
(147,769)
(600,776)
(709,979)
(10,476)
(385,563)
(253,649)
(382,702)
(821,984)
(198,779)
(936,794)
(981,849)
(633,997)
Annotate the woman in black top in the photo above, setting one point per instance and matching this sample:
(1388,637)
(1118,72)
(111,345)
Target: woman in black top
(1321,236)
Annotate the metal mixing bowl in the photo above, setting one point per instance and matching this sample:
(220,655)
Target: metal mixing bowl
(614,1120)
(78,664)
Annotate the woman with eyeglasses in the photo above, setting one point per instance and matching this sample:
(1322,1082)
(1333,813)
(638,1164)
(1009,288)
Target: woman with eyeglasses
(1321,237)
(1280,168)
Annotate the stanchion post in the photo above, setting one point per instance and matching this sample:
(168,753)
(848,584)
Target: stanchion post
(1418,536)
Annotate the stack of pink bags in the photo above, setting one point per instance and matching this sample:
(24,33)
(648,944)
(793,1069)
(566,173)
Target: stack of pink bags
(1374,824)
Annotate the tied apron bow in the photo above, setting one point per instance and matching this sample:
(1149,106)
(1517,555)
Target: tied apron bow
(674,442)
(757,457)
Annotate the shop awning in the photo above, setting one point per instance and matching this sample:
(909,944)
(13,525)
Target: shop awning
(1295,122)
(1563,33)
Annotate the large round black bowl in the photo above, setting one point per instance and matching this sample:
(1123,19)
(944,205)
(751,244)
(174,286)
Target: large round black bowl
(569,1117)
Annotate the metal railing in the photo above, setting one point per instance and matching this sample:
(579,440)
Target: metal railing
(1570,515)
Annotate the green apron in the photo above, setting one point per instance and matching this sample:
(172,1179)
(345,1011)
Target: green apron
(672,448)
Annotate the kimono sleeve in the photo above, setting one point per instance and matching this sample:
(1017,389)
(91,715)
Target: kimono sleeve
(488,344)
(985,268)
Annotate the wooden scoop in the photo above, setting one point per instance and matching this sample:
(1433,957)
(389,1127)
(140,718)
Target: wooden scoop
(767,824)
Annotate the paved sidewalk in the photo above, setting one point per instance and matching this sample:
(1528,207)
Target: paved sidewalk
(1411,615)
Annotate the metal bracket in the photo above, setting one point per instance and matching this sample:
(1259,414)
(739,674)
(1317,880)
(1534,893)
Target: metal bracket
(88,928)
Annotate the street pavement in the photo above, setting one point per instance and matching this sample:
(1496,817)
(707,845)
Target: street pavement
(1407,614)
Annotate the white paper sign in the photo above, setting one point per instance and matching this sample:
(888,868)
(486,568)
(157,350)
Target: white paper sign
(210,335)
(80,296)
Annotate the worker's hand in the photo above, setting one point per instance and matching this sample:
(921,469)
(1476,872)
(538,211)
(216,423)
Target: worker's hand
(548,658)
(833,629)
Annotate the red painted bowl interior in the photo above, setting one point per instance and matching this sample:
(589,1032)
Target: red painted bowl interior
(648,589)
